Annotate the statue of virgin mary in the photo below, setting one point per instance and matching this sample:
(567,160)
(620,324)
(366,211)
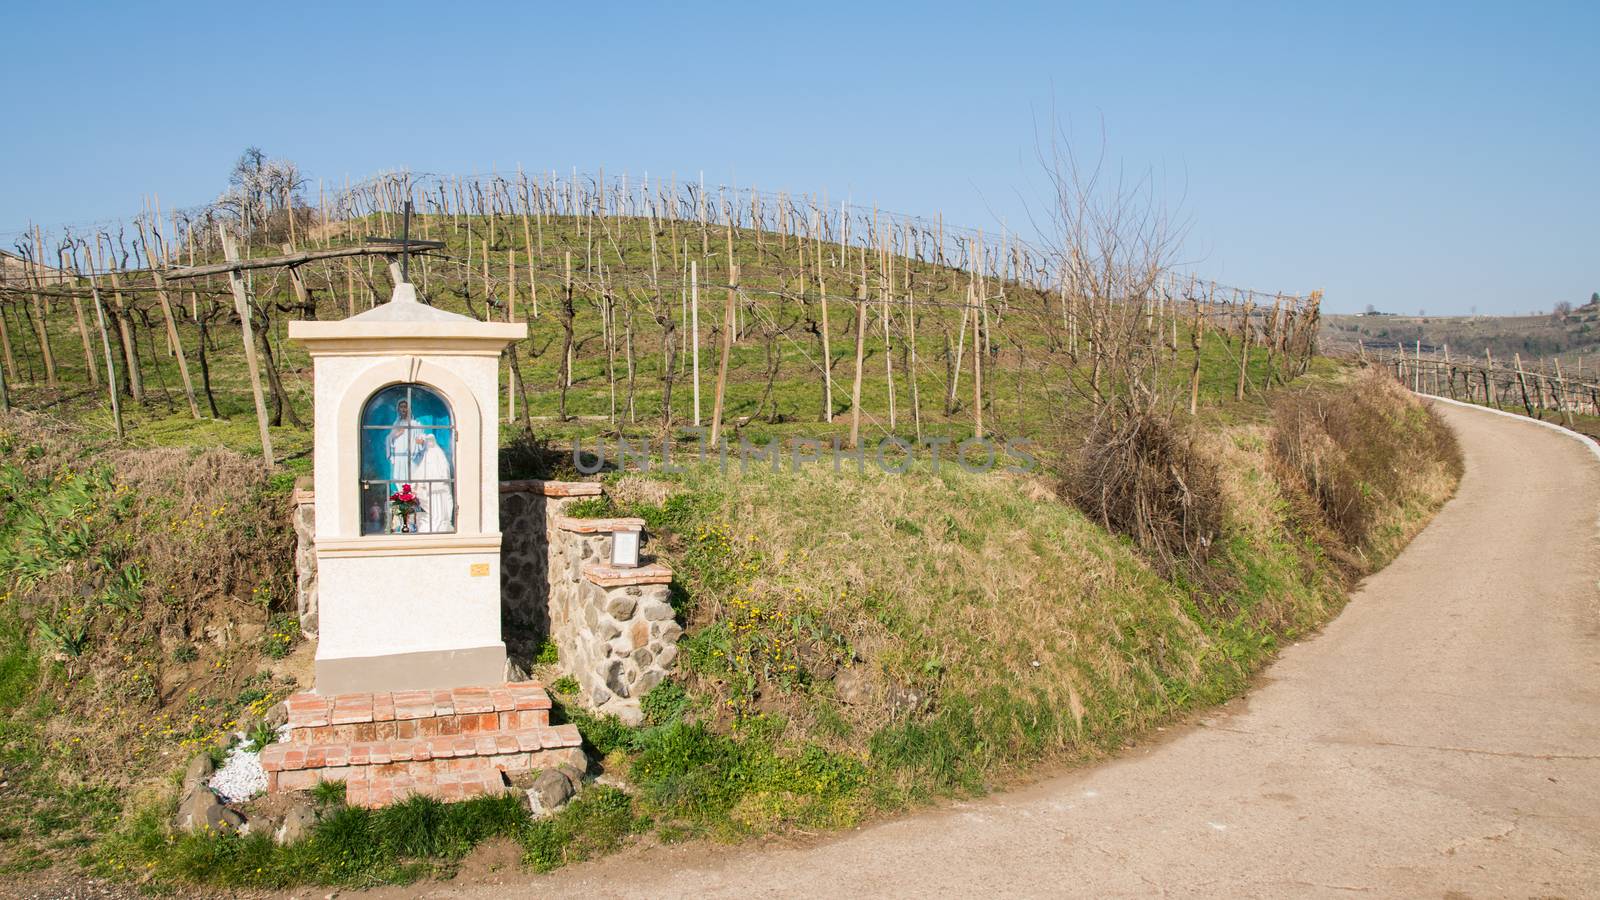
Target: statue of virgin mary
(435,485)
(402,446)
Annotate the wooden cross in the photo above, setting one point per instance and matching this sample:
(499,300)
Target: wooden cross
(406,244)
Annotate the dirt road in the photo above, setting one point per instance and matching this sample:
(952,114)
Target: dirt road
(1440,738)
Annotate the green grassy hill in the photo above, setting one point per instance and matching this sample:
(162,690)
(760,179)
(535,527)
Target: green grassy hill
(854,642)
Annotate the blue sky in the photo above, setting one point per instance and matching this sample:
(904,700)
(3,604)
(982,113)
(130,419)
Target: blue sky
(1441,156)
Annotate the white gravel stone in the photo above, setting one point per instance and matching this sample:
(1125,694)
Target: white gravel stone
(241,776)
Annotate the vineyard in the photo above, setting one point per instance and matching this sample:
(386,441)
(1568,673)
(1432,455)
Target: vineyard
(1569,399)
(653,305)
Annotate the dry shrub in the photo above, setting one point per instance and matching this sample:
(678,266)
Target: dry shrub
(1141,474)
(1363,452)
(208,528)
(197,550)
(529,455)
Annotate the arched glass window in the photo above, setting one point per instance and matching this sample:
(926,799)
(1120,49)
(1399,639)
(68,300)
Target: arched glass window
(408,453)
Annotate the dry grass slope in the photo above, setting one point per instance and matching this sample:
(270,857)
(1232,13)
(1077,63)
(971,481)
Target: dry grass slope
(856,641)
(948,628)
(141,585)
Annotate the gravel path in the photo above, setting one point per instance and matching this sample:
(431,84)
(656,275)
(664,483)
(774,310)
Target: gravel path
(1440,738)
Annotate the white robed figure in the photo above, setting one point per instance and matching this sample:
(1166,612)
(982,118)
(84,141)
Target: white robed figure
(434,486)
(403,446)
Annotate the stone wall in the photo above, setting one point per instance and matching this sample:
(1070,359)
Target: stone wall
(527,509)
(305,560)
(613,628)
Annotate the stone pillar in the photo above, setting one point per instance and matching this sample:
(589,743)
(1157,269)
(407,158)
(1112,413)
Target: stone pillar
(614,628)
(626,638)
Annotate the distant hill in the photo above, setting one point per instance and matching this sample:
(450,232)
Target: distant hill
(1572,336)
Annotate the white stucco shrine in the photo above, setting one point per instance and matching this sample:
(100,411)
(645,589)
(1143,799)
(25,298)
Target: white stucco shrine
(407,523)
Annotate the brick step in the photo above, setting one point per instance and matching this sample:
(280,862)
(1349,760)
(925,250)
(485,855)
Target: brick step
(449,787)
(404,715)
(383,784)
(450,744)
(434,726)
(504,747)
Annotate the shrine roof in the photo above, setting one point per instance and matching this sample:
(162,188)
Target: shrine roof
(404,323)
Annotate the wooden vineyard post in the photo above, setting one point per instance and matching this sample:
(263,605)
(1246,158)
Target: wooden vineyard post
(1244,346)
(83,333)
(511,316)
(729,320)
(1416,371)
(130,353)
(911,343)
(77,314)
(822,300)
(961,346)
(982,336)
(861,351)
(1273,337)
(1488,388)
(172,327)
(41,310)
(111,364)
(628,354)
(288,202)
(694,332)
(1561,396)
(1194,369)
(885,306)
(488,291)
(527,236)
(738,309)
(608,334)
(5,347)
(350,287)
(568,312)
(1522,382)
(241,305)
(37,315)
(979,348)
(130,349)
(172,335)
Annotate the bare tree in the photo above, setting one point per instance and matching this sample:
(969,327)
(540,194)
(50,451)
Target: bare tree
(1125,456)
(261,191)
(1114,243)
